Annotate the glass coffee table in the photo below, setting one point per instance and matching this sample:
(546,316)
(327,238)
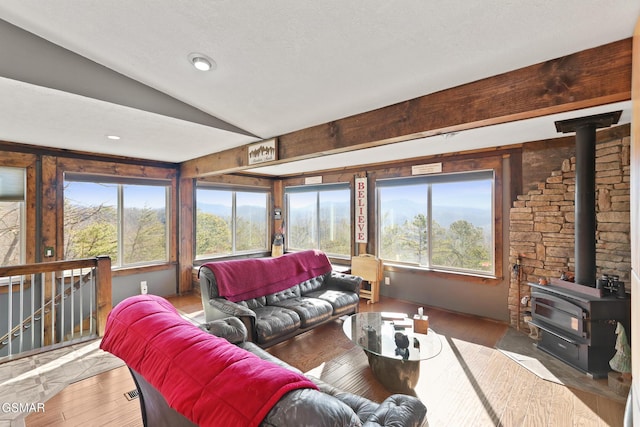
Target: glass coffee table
(394,350)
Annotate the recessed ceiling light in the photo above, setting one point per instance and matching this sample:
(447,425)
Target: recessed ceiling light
(113,137)
(202,62)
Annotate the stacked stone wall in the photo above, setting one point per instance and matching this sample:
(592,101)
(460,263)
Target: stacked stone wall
(542,223)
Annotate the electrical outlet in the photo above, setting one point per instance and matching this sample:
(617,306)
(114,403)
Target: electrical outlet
(143,287)
(387,280)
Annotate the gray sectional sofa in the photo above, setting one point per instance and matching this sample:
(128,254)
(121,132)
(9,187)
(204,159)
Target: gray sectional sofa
(280,306)
(210,376)
(331,406)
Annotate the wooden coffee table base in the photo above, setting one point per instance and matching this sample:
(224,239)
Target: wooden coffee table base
(398,376)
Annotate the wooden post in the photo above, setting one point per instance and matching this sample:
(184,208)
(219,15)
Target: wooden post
(47,315)
(103,293)
(52,223)
(277,203)
(186,249)
(51,226)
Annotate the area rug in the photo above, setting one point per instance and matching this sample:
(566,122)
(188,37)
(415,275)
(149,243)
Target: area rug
(35,379)
(520,348)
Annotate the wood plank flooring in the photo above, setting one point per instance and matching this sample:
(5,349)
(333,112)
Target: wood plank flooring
(468,384)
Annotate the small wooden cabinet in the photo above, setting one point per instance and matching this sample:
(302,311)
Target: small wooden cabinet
(370,269)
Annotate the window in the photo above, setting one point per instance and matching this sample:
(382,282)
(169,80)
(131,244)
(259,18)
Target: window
(12,215)
(124,219)
(443,222)
(230,222)
(319,218)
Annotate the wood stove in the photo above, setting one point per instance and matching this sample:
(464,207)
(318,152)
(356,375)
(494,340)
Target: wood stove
(578,328)
(579,319)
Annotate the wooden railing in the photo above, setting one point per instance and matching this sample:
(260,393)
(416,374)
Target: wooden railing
(52,304)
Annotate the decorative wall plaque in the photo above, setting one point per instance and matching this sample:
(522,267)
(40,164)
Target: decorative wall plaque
(263,151)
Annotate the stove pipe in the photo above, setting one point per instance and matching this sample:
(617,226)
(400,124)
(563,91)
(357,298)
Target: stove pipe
(585,193)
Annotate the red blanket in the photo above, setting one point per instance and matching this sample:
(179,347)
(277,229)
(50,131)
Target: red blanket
(205,378)
(243,279)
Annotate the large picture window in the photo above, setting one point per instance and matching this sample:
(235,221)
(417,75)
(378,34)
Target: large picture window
(319,218)
(230,222)
(12,215)
(124,219)
(442,222)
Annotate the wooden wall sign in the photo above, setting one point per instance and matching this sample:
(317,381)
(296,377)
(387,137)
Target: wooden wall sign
(361,210)
(426,169)
(263,151)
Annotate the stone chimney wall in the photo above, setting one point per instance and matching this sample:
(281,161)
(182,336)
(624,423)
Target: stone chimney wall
(542,225)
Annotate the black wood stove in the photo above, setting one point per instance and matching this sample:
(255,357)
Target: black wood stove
(579,328)
(579,319)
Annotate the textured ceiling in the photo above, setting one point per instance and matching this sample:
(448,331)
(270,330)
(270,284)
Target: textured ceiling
(104,67)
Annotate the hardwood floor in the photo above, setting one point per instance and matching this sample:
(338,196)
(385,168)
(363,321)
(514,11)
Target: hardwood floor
(468,384)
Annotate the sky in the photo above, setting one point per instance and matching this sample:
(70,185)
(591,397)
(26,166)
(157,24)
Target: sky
(91,194)
(467,194)
(223,197)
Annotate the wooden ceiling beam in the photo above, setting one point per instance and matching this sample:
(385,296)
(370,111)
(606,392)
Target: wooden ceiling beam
(589,78)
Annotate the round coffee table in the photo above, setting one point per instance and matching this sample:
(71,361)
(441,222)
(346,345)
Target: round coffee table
(394,350)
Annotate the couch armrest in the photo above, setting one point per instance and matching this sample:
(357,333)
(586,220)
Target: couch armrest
(309,407)
(220,308)
(344,282)
(231,328)
(362,406)
(398,410)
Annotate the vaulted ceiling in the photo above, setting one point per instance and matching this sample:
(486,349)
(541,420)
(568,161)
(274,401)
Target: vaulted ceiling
(73,72)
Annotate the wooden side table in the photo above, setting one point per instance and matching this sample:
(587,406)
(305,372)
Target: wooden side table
(370,269)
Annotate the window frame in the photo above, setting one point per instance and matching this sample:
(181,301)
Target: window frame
(318,189)
(121,182)
(446,177)
(21,199)
(31,246)
(233,189)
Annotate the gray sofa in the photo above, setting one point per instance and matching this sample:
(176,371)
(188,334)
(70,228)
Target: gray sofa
(328,406)
(274,317)
(186,376)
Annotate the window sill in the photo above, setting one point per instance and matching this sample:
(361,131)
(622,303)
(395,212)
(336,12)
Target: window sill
(127,271)
(450,275)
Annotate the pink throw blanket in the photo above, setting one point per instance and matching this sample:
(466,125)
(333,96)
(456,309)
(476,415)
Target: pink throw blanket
(205,378)
(243,279)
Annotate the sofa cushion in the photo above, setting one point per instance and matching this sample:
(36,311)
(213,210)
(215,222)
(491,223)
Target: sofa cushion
(343,282)
(312,311)
(362,406)
(273,322)
(342,302)
(301,408)
(292,292)
(254,303)
(396,410)
(312,284)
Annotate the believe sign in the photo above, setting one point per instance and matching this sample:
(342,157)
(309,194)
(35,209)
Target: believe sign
(361,210)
